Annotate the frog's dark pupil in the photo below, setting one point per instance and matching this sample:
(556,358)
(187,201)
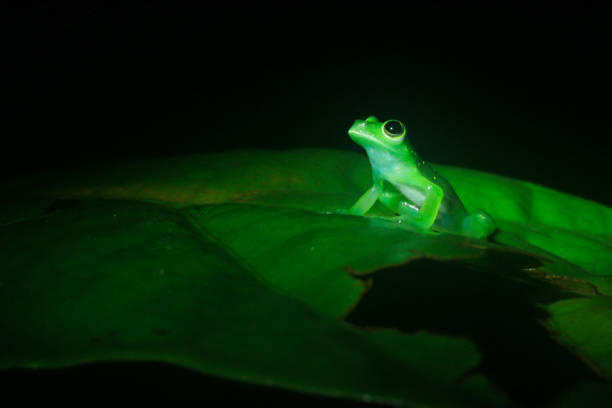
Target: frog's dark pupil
(393,127)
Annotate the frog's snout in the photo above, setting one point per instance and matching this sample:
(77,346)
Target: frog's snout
(354,129)
(358,123)
(363,122)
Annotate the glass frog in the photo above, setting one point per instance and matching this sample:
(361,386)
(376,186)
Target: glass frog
(409,186)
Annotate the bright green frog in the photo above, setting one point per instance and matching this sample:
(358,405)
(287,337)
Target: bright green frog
(408,185)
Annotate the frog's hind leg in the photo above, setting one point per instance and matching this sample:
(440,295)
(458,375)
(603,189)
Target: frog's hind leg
(478,225)
(397,203)
(408,212)
(422,217)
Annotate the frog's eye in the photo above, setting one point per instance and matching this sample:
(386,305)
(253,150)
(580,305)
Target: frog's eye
(394,129)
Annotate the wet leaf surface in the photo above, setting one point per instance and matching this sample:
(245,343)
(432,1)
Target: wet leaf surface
(239,265)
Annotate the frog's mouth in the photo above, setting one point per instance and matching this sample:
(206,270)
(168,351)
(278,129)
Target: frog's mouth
(359,137)
(354,130)
(359,133)
(363,139)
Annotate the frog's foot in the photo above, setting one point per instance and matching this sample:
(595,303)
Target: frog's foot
(478,225)
(344,211)
(410,222)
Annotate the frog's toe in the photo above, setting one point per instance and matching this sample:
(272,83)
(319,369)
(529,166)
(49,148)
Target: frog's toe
(344,211)
(478,225)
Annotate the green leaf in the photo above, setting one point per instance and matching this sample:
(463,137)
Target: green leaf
(585,324)
(586,394)
(238,265)
(572,228)
(105,280)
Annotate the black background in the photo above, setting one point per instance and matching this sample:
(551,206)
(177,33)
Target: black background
(521,92)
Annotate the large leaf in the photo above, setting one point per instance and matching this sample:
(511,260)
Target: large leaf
(237,264)
(106,280)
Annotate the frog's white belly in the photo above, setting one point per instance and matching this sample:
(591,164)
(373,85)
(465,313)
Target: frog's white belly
(416,195)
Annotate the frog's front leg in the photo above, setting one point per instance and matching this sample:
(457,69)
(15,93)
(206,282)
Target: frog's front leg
(422,217)
(366,201)
(429,210)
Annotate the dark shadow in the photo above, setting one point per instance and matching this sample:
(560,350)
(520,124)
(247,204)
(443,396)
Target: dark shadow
(146,382)
(496,309)
(65,205)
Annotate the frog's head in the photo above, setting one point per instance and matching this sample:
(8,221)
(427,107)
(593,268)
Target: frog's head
(373,134)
